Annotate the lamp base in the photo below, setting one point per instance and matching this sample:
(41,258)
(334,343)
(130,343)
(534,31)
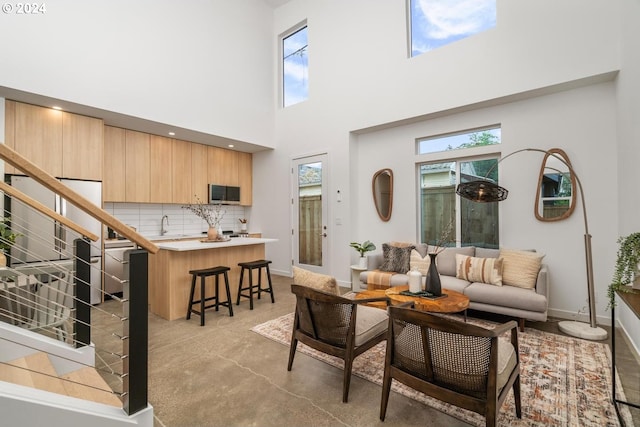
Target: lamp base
(582,330)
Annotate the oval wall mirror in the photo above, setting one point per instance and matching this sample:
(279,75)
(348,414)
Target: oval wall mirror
(556,192)
(383,193)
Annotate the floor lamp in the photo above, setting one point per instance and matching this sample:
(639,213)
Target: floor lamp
(485,191)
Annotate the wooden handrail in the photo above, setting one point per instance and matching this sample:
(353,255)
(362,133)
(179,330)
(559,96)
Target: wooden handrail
(31,169)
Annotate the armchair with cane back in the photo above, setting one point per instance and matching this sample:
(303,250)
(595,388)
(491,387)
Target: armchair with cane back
(459,363)
(337,326)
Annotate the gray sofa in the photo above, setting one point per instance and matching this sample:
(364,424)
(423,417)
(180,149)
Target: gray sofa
(521,303)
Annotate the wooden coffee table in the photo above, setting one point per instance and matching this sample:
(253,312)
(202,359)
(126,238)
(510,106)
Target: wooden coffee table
(453,302)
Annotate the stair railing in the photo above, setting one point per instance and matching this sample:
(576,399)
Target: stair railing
(133,303)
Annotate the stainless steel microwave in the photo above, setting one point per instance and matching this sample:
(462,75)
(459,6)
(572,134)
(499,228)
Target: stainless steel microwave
(224,194)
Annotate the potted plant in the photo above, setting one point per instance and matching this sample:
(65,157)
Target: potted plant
(363,248)
(626,268)
(7,239)
(212,214)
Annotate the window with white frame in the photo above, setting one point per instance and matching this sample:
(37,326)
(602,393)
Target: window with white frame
(472,224)
(295,67)
(435,23)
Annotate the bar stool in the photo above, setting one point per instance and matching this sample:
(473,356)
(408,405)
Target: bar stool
(203,274)
(250,266)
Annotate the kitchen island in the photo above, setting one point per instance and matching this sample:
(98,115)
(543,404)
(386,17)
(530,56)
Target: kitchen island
(169,278)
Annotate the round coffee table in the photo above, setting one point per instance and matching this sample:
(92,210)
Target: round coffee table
(453,302)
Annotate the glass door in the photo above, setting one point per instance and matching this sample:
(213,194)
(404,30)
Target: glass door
(309,213)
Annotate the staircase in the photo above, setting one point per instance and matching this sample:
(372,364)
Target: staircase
(37,371)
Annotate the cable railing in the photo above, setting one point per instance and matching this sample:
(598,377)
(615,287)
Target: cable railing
(52,286)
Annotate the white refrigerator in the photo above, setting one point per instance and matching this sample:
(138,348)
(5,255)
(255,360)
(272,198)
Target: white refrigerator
(44,240)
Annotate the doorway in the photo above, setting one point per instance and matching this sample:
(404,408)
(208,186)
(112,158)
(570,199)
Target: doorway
(309,200)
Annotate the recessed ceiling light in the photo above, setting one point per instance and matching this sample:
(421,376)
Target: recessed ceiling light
(230,145)
(172,133)
(55,107)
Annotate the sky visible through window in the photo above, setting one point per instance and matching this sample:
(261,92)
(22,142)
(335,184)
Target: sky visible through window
(295,64)
(435,23)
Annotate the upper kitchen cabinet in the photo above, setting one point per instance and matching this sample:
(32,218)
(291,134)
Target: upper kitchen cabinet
(199,173)
(82,147)
(223,166)
(160,169)
(181,171)
(9,130)
(38,136)
(245,178)
(113,183)
(137,163)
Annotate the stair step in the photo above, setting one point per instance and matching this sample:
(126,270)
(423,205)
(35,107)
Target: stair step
(90,376)
(20,372)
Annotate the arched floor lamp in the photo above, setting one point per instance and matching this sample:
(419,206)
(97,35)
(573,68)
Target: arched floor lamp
(485,191)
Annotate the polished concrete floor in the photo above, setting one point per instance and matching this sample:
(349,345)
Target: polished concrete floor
(223,374)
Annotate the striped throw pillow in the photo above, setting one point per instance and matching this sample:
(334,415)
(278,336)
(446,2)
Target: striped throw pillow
(484,270)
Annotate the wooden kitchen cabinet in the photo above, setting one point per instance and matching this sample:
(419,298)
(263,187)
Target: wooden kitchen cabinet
(137,150)
(9,130)
(199,173)
(223,166)
(38,136)
(82,147)
(245,178)
(160,169)
(181,171)
(113,181)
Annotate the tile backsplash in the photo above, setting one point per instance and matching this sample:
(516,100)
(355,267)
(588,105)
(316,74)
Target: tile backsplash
(146,217)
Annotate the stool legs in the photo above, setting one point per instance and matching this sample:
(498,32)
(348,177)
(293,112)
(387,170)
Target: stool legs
(203,274)
(249,267)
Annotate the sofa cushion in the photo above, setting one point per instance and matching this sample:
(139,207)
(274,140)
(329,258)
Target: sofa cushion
(506,296)
(453,283)
(520,268)
(446,260)
(485,270)
(420,262)
(396,258)
(422,249)
(315,280)
(487,253)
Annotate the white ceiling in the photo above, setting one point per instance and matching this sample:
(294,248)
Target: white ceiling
(276,3)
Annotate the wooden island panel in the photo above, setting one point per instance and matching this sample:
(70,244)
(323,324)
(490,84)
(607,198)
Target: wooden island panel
(170,281)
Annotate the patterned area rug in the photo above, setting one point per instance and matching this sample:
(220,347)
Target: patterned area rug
(564,381)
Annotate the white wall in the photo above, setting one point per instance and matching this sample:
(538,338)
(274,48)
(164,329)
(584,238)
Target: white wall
(360,78)
(200,65)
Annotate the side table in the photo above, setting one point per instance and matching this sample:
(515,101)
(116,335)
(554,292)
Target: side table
(355,277)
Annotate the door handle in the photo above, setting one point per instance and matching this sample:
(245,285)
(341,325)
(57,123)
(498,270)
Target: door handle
(323,234)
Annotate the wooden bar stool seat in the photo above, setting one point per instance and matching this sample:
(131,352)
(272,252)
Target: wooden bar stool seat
(250,266)
(203,274)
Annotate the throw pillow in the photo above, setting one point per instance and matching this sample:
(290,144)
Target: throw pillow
(396,258)
(484,270)
(422,263)
(318,281)
(520,268)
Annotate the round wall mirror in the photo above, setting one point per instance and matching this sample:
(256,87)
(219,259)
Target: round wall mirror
(383,193)
(556,193)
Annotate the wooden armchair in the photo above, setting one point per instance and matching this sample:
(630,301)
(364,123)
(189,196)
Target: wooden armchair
(459,363)
(337,326)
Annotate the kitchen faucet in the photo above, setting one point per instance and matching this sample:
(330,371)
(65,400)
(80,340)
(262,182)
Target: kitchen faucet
(163,230)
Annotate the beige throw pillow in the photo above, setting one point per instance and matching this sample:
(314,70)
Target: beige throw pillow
(483,270)
(319,281)
(419,262)
(520,268)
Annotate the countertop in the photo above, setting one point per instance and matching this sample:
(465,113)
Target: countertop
(195,245)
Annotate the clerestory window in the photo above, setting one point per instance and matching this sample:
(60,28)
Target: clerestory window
(295,67)
(435,23)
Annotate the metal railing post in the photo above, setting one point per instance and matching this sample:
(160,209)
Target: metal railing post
(82,291)
(136,329)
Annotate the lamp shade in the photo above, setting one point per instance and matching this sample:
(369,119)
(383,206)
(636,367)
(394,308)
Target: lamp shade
(482,191)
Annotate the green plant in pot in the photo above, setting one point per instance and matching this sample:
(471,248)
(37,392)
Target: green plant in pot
(626,268)
(362,249)
(7,239)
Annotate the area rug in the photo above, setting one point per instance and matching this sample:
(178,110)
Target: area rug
(564,381)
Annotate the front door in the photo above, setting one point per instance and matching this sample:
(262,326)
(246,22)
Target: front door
(309,200)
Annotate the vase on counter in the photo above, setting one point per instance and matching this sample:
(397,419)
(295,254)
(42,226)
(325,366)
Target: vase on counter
(433,277)
(212,233)
(243,227)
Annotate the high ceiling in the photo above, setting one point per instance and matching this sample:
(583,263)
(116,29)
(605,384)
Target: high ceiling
(276,3)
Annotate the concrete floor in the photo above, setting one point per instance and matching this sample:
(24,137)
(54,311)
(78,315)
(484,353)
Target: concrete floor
(223,374)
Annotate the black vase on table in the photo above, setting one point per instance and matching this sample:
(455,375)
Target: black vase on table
(433,277)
